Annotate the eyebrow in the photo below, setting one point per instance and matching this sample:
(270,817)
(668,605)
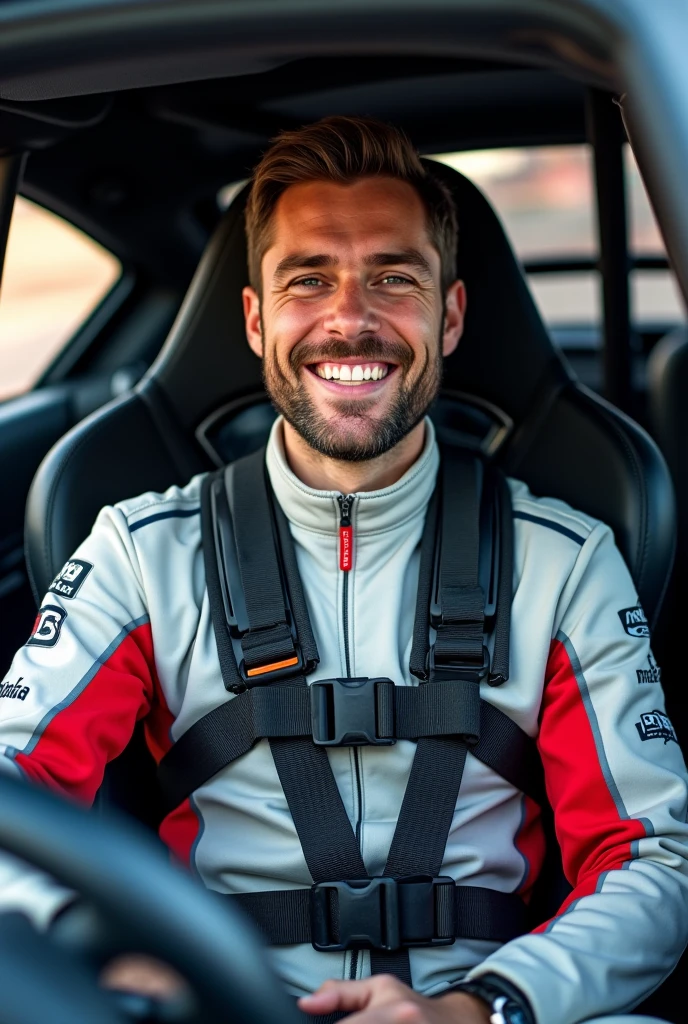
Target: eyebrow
(303,261)
(406,258)
(313,261)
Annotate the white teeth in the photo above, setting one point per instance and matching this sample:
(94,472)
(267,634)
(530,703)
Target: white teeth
(348,374)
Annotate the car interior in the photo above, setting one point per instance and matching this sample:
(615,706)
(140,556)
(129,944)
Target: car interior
(158,384)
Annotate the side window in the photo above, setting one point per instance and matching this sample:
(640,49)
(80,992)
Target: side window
(53,278)
(545,198)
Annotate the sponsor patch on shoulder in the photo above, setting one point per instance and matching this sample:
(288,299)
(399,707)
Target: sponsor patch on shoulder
(655,725)
(70,578)
(651,674)
(46,628)
(634,621)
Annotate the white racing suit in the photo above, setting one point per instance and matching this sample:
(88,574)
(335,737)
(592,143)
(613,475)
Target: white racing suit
(125,633)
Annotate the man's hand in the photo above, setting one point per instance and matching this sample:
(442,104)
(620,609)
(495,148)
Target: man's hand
(384,1000)
(143,976)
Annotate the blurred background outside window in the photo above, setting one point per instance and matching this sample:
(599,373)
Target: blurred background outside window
(546,199)
(53,278)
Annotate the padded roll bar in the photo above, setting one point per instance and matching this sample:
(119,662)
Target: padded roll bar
(606,135)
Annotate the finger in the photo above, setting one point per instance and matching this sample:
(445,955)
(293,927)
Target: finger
(402,1012)
(349,996)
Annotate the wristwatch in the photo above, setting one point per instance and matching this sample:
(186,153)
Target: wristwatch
(507,1004)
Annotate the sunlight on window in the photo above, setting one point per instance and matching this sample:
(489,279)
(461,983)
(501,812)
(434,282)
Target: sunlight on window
(544,195)
(53,278)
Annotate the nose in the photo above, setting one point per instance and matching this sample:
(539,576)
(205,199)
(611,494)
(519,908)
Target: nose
(350,312)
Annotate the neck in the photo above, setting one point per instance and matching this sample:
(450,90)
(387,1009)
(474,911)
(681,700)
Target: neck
(325,474)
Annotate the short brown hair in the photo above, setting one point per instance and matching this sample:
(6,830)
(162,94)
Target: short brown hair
(342,149)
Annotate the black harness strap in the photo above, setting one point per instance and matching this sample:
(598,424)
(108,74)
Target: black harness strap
(322,824)
(264,637)
(402,712)
(269,638)
(213,558)
(286,917)
(425,818)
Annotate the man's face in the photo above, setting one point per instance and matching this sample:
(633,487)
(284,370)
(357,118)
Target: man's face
(352,327)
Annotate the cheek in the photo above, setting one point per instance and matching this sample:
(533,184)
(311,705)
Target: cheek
(416,323)
(288,325)
(294,319)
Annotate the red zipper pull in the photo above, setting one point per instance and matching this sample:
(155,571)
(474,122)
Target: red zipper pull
(346,533)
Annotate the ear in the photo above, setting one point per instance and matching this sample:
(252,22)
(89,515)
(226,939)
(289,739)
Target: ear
(454,313)
(254,333)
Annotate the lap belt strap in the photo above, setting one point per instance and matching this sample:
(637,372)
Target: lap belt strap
(384,914)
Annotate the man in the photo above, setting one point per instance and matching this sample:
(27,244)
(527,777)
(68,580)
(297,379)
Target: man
(352,304)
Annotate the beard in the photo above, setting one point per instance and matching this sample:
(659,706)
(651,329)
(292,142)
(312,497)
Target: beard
(355,433)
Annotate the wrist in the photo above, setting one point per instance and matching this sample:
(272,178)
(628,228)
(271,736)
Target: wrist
(466,1008)
(505,1002)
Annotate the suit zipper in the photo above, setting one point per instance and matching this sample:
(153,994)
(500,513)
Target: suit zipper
(346,539)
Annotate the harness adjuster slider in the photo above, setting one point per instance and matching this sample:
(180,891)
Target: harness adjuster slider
(352,712)
(259,675)
(383,913)
(473,671)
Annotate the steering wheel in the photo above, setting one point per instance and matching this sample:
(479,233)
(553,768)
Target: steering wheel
(147,905)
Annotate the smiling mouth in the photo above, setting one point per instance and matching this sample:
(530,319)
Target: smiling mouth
(351,374)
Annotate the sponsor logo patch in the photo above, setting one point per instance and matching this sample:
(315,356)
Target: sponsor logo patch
(70,578)
(654,725)
(46,628)
(634,621)
(651,674)
(15,691)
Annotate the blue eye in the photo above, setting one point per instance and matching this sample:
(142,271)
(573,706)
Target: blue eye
(395,279)
(309,282)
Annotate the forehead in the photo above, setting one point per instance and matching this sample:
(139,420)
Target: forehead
(370,213)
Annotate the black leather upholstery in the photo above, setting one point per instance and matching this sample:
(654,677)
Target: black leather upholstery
(566,441)
(667,373)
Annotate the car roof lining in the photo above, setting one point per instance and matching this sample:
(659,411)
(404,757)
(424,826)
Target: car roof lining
(77,47)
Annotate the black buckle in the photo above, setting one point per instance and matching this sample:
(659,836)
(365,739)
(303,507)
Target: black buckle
(344,712)
(383,913)
(474,672)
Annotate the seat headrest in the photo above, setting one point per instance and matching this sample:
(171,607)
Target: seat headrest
(503,357)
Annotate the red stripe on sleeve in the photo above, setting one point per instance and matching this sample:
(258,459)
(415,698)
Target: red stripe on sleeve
(179,831)
(530,843)
(95,727)
(591,832)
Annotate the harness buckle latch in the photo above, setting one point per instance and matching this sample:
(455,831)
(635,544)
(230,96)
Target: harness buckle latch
(383,913)
(352,712)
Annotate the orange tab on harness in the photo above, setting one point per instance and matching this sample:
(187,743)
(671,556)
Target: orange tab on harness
(273,667)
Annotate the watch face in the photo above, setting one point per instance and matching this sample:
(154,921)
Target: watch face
(497,1015)
(506,1011)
